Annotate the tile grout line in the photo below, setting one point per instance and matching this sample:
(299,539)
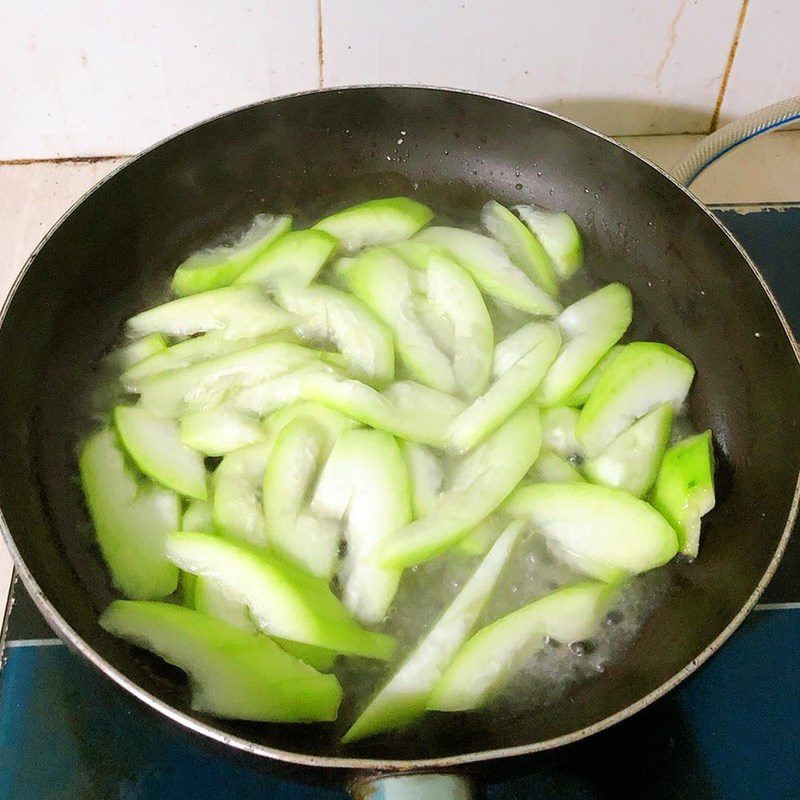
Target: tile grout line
(723,87)
(320,46)
(25,162)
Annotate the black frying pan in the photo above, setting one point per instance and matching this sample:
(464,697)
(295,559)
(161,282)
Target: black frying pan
(310,154)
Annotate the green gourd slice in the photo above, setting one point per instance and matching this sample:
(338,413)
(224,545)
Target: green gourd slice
(283,600)
(221,266)
(364,487)
(522,246)
(237,311)
(632,460)
(131,519)
(606,533)
(491,269)
(684,489)
(376,222)
(589,328)
(154,445)
(234,673)
(644,375)
(291,261)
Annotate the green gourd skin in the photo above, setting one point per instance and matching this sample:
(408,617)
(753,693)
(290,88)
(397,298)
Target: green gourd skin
(684,489)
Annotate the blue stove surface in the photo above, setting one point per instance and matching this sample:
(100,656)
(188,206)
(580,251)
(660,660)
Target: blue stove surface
(730,732)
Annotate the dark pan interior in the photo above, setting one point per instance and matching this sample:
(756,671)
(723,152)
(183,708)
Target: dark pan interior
(312,153)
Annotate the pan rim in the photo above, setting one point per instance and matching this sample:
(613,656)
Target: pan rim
(71,638)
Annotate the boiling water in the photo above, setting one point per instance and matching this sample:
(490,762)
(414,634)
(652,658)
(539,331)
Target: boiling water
(426,590)
(531,572)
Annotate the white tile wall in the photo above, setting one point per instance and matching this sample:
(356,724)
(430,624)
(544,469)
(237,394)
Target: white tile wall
(78,77)
(622,67)
(767,64)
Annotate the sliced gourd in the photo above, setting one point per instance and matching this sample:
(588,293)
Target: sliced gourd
(127,356)
(491,656)
(236,311)
(234,673)
(491,268)
(220,266)
(205,384)
(406,409)
(238,505)
(405,696)
(550,467)
(219,431)
(410,399)
(183,354)
(606,533)
(632,460)
(586,386)
(558,234)
(455,315)
(364,487)
(486,413)
(524,249)
(294,464)
(210,598)
(426,476)
(154,445)
(589,328)
(198,516)
(383,281)
(643,376)
(376,222)
(481,538)
(283,600)
(478,485)
(684,489)
(331,421)
(516,345)
(131,520)
(290,262)
(333,316)
(558,430)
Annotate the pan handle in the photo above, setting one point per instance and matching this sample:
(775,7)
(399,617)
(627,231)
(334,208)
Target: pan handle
(413,786)
(741,130)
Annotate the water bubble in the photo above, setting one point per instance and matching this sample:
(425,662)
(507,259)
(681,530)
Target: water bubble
(517,173)
(518,186)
